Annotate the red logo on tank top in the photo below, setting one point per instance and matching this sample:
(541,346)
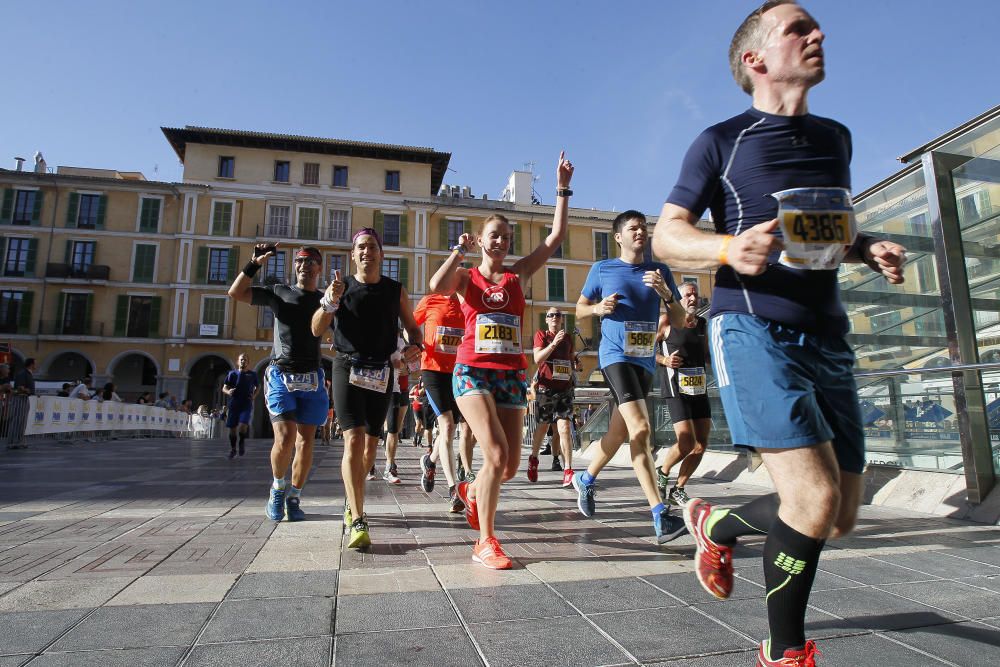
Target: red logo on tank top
(495,297)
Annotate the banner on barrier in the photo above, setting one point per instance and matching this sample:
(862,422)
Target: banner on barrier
(54,414)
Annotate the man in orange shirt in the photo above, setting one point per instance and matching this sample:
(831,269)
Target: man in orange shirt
(444,326)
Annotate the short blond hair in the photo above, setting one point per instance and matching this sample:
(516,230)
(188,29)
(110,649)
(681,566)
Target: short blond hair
(749,36)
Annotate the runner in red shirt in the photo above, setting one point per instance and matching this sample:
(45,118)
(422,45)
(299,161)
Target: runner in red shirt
(489,379)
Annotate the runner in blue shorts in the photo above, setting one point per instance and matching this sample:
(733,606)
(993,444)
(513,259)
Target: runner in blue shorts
(294,383)
(778,328)
(241,386)
(626,294)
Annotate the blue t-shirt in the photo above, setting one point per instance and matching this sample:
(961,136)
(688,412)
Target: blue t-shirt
(632,327)
(732,169)
(245,382)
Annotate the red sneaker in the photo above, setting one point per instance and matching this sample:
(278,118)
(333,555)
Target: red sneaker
(490,554)
(567,478)
(804,657)
(471,511)
(713,562)
(532,468)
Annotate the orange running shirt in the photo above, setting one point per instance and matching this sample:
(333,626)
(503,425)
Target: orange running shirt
(444,325)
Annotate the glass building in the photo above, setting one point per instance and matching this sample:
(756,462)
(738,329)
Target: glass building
(928,351)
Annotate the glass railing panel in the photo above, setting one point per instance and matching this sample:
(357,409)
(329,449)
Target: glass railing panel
(991,389)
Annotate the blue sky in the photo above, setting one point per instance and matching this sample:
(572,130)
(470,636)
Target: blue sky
(623,86)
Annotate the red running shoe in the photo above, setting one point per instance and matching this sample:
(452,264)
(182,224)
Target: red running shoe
(567,478)
(804,657)
(471,511)
(490,554)
(713,562)
(532,468)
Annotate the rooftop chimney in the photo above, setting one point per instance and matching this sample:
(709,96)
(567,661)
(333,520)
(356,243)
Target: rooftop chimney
(18,163)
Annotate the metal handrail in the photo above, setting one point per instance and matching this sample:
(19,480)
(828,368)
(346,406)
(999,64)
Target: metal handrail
(995,366)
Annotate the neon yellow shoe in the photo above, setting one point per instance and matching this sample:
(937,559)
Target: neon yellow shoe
(348,519)
(360,539)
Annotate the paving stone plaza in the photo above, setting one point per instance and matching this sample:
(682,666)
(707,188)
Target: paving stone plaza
(157,552)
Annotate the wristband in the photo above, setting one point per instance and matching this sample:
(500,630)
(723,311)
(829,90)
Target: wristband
(459,248)
(251,269)
(724,250)
(329,306)
(564,192)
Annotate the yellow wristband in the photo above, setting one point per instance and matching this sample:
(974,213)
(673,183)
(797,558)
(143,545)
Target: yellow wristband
(724,250)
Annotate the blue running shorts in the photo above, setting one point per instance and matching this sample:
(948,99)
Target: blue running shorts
(239,413)
(782,388)
(301,406)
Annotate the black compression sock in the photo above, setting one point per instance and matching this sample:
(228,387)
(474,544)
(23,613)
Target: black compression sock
(790,561)
(232,441)
(243,439)
(753,518)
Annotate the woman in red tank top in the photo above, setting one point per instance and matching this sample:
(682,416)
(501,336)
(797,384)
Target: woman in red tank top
(488,380)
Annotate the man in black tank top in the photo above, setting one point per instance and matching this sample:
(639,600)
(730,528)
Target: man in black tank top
(683,357)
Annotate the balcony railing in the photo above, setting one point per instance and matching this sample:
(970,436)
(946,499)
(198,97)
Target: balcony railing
(210,331)
(91,272)
(61,328)
(286,230)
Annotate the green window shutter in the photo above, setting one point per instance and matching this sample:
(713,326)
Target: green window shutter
(565,245)
(87,313)
(518,233)
(72,209)
(121,314)
(541,321)
(24,317)
(308,224)
(234,257)
(7,208)
(69,253)
(60,313)
(149,216)
(404,239)
(102,211)
(222,215)
(144,270)
(443,233)
(36,211)
(404,272)
(3,255)
(154,317)
(201,273)
(29,266)
(378,224)
(570,325)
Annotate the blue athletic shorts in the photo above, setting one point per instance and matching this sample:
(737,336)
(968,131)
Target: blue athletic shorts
(782,388)
(302,407)
(239,413)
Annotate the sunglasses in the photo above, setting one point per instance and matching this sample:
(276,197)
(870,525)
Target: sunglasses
(552,315)
(307,261)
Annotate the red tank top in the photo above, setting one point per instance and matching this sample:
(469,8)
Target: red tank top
(493,314)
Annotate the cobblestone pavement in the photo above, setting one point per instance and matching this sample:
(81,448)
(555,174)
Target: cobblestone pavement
(157,552)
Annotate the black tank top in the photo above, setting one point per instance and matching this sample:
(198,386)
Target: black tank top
(366,323)
(689,342)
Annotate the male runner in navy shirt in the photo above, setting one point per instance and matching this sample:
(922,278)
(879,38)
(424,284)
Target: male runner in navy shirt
(241,387)
(783,366)
(626,293)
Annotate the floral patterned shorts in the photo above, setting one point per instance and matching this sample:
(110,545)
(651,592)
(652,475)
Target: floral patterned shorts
(509,388)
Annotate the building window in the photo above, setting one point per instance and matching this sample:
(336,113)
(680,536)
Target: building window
(87,214)
(339,176)
(557,284)
(18,257)
(308,223)
(336,263)
(265,319)
(24,207)
(140,310)
(274,269)
(218,265)
(339,227)
(144,264)
(227,166)
(559,251)
(222,218)
(601,246)
(281,170)
(15,309)
(277,222)
(390,268)
(455,229)
(688,279)
(390,229)
(81,256)
(310,173)
(392,180)
(76,311)
(149,215)
(213,311)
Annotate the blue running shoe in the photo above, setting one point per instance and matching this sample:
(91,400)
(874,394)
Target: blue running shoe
(293,510)
(585,495)
(275,508)
(668,527)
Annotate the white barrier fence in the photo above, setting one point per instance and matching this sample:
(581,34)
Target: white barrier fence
(52,414)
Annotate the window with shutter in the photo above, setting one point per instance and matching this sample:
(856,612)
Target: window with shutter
(281,171)
(87,214)
(391,229)
(218,266)
(227,166)
(308,224)
(278,222)
(144,264)
(339,176)
(16,257)
(11,306)
(310,173)
(222,218)
(24,207)
(390,268)
(556,284)
(149,215)
(392,180)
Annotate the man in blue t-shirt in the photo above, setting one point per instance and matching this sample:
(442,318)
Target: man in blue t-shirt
(241,387)
(777,331)
(626,294)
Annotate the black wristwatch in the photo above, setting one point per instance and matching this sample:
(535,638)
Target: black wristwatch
(564,192)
